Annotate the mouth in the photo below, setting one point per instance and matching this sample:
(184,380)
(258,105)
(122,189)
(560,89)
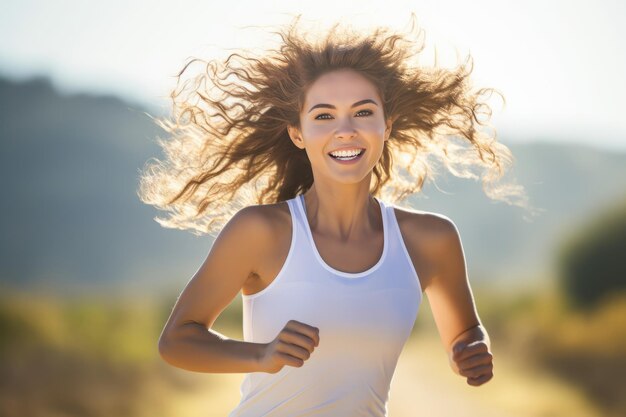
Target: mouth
(348,157)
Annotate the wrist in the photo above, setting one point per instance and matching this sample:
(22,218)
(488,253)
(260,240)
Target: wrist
(259,354)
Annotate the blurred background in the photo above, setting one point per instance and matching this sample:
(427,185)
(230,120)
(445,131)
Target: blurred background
(88,278)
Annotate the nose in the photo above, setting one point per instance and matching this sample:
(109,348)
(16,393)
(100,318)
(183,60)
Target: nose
(345,130)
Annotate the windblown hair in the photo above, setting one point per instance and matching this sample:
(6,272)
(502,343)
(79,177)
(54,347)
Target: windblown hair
(229,145)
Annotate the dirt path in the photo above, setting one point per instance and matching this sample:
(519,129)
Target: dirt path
(423,385)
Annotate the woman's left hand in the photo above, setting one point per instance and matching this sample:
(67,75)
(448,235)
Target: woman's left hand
(474,361)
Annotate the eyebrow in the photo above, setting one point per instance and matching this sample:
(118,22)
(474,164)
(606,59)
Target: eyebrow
(330,106)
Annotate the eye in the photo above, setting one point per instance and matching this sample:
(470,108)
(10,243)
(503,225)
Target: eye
(319,116)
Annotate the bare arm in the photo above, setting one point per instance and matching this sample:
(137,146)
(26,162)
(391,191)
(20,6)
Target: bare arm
(463,335)
(187,340)
(204,350)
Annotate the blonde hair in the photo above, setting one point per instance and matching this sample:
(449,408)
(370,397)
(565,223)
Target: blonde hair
(229,145)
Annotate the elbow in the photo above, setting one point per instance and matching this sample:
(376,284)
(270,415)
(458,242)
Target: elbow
(164,347)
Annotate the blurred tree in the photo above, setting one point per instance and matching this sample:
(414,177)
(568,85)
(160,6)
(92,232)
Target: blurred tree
(592,261)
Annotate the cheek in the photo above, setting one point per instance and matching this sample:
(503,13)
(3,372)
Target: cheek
(375,132)
(374,125)
(314,130)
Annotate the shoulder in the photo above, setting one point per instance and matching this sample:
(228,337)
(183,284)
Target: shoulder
(429,238)
(260,221)
(266,231)
(427,224)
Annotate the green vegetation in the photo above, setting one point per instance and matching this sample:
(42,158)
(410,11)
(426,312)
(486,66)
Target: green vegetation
(592,262)
(87,357)
(99,357)
(586,348)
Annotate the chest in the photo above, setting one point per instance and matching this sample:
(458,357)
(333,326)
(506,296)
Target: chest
(353,257)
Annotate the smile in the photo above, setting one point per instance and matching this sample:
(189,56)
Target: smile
(348,157)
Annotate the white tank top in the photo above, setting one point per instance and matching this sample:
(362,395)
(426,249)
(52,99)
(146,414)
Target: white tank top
(364,320)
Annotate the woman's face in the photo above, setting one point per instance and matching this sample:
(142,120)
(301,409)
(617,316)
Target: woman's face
(342,112)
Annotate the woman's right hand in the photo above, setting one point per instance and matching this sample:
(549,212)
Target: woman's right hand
(293,346)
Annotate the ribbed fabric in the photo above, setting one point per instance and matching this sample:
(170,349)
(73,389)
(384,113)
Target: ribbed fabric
(364,320)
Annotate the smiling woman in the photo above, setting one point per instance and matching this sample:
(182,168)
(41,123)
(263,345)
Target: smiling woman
(229,143)
(347,131)
(322,260)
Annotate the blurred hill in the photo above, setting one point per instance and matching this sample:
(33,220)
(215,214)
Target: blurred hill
(71,220)
(571,183)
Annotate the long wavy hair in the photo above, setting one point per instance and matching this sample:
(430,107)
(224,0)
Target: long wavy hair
(228,145)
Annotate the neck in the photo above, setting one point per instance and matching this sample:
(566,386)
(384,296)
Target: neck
(346,214)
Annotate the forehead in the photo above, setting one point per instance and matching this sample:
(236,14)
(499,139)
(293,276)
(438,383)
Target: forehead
(338,86)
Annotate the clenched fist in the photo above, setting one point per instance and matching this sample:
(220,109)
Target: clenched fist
(473,360)
(292,346)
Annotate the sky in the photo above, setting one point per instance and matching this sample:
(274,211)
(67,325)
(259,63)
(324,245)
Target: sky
(558,63)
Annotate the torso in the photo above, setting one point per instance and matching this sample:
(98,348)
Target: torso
(355,257)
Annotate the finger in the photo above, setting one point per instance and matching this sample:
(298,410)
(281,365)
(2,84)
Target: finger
(299,339)
(310,331)
(472,361)
(294,350)
(291,360)
(470,350)
(476,371)
(458,348)
(480,380)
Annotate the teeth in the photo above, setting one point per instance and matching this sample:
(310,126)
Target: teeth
(347,153)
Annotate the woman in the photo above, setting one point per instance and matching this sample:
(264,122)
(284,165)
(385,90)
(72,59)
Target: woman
(331,273)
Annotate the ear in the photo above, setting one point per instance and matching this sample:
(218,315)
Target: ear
(296,136)
(388,124)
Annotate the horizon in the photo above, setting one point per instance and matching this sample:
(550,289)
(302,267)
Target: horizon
(529,137)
